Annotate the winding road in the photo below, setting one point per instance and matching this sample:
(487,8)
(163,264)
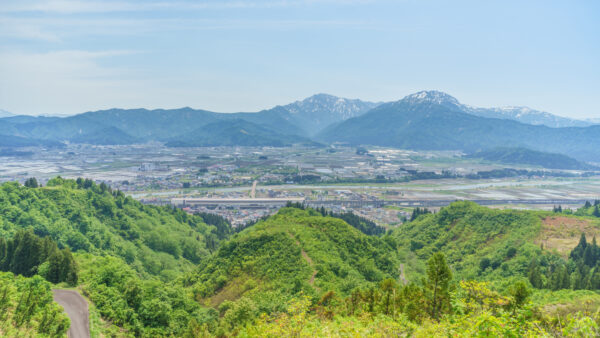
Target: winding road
(76,308)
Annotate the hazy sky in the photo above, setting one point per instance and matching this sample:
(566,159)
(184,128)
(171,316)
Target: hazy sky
(66,57)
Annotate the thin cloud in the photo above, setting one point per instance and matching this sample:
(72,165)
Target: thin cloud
(61,79)
(26,31)
(78,6)
(61,29)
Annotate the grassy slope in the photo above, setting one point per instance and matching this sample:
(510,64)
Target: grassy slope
(467,233)
(295,250)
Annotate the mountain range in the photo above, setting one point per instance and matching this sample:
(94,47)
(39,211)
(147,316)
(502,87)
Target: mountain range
(432,120)
(427,120)
(528,116)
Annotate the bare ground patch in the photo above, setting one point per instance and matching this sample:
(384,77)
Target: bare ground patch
(234,290)
(561,233)
(307,258)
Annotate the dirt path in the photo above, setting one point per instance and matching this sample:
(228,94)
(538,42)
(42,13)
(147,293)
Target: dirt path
(76,308)
(402,276)
(307,258)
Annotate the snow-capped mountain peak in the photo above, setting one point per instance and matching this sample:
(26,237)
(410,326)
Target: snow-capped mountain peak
(431,96)
(321,110)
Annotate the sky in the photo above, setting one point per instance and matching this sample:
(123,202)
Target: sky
(71,56)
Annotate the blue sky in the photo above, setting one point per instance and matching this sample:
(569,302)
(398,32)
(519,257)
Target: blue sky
(71,56)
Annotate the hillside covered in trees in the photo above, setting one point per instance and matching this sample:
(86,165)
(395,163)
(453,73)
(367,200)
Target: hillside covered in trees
(156,271)
(125,256)
(526,156)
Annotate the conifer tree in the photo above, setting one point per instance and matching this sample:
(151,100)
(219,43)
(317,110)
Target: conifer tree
(596,212)
(31,182)
(437,285)
(577,252)
(534,275)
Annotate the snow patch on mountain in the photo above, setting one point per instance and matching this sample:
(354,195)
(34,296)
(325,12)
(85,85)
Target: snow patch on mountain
(518,113)
(319,111)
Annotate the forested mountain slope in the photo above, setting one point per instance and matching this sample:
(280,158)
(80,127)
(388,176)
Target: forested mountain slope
(128,256)
(292,251)
(235,132)
(526,156)
(127,126)
(92,218)
(154,272)
(467,234)
(436,121)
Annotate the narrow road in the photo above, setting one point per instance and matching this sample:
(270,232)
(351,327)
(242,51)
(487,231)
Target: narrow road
(76,308)
(253,190)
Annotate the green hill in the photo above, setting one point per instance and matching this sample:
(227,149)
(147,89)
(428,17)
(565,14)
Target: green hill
(467,234)
(531,157)
(292,251)
(235,132)
(106,136)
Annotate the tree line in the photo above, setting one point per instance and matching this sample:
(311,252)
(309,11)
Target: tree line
(581,271)
(27,254)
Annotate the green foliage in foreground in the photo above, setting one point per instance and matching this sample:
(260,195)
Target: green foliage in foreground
(148,308)
(27,309)
(471,310)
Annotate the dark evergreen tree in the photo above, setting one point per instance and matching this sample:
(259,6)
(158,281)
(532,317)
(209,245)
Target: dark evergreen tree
(596,212)
(594,283)
(577,252)
(534,275)
(31,182)
(24,254)
(437,285)
(589,258)
(418,212)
